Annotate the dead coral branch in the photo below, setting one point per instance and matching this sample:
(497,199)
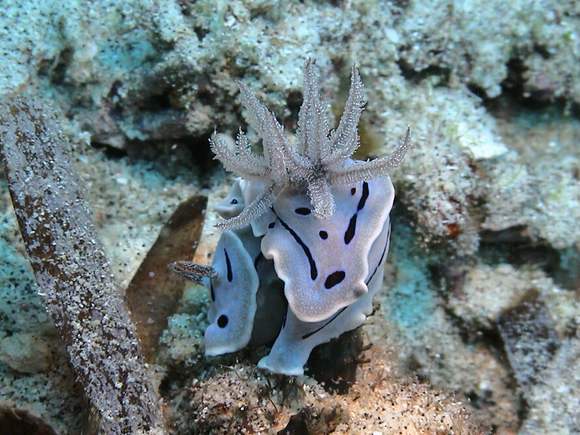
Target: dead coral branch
(73,272)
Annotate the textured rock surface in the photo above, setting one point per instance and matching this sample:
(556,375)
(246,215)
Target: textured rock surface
(237,399)
(555,399)
(488,200)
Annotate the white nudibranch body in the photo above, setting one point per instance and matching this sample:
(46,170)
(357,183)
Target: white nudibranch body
(306,232)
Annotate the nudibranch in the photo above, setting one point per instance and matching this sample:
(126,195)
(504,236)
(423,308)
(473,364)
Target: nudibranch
(305,232)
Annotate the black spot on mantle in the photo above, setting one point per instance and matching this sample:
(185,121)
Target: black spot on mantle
(222,321)
(311,262)
(334,279)
(351,229)
(230,274)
